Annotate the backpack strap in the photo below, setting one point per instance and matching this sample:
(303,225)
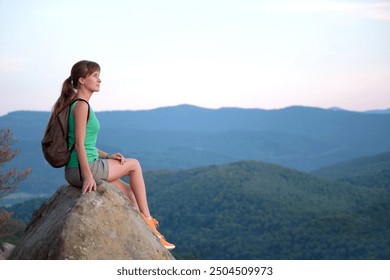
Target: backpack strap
(80,99)
(75,100)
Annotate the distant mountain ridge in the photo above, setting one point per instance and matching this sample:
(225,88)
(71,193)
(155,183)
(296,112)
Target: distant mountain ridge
(375,111)
(186,136)
(385,111)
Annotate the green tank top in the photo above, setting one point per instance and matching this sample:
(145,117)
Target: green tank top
(92,130)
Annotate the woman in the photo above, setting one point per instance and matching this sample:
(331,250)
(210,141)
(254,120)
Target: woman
(88,165)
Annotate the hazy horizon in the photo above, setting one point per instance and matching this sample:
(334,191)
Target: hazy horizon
(202,107)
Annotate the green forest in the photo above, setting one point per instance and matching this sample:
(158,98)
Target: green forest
(256,210)
(251,210)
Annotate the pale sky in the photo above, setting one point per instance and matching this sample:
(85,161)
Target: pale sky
(237,53)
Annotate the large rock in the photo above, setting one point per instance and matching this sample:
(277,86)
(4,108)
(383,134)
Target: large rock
(97,225)
(6,250)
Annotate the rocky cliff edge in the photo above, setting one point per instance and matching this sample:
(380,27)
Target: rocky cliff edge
(101,225)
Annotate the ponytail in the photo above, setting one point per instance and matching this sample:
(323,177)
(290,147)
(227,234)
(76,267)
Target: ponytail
(68,93)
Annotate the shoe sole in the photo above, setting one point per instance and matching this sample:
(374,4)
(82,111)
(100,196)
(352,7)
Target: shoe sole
(170,248)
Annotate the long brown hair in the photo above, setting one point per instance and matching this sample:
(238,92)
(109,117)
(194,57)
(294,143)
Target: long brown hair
(81,69)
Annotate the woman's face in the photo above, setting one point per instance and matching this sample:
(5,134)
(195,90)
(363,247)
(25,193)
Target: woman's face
(92,82)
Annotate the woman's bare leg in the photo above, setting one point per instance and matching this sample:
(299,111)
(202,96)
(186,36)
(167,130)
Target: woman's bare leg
(125,188)
(132,168)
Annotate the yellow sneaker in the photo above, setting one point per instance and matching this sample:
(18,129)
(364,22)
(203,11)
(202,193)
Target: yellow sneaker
(153,224)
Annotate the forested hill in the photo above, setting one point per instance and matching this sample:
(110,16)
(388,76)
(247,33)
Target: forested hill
(252,210)
(373,171)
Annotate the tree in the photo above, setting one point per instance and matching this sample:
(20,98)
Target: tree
(9,179)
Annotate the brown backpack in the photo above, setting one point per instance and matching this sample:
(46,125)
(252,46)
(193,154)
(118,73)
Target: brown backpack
(55,141)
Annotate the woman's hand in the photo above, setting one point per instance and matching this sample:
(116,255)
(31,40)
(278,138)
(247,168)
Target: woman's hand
(89,184)
(119,157)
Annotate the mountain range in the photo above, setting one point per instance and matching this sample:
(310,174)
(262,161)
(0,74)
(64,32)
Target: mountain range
(185,136)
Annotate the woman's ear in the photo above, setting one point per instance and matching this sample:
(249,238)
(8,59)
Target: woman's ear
(81,81)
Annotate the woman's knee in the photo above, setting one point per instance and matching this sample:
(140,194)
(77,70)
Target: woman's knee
(134,164)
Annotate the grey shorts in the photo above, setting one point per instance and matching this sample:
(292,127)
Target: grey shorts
(99,169)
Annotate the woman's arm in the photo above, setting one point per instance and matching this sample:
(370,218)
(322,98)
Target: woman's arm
(80,113)
(116,156)
(103,154)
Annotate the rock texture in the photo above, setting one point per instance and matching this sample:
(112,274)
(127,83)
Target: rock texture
(101,225)
(6,250)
